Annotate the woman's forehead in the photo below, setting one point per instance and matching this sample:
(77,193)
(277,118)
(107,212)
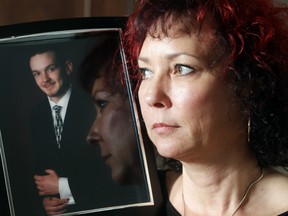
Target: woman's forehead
(207,48)
(168,24)
(205,38)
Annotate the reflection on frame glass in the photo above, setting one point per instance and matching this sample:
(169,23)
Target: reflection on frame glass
(70,140)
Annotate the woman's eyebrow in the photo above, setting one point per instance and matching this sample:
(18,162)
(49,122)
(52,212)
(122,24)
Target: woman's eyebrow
(143,59)
(169,56)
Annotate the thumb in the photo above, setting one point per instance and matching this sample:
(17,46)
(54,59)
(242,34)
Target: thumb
(50,172)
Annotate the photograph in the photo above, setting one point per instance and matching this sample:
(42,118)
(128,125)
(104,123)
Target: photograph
(70,137)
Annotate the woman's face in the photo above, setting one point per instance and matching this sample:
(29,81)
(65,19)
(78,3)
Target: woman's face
(113,131)
(186,105)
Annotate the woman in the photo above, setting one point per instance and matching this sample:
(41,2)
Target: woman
(113,128)
(213,95)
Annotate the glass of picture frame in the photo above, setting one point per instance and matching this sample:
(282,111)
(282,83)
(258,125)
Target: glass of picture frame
(99,164)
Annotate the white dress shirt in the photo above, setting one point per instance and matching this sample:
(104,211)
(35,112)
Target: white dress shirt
(63,183)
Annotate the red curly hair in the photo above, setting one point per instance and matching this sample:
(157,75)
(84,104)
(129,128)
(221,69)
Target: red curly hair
(256,28)
(256,32)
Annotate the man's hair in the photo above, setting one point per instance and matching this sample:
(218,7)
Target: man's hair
(59,51)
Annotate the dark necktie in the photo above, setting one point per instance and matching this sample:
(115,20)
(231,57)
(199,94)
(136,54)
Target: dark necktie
(59,124)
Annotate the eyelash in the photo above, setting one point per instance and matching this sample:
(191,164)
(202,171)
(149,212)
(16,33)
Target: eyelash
(143,74)
(177,70)
(101,104)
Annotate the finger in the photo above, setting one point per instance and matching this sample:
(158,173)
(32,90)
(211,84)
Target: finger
(37,183)
(58,206)
(50,213)
(41,188)
(50,171)
(40,178)
(37,178)
(42,193)
(54,201)
(45,193)
(59,201)
(56,212)
(55,206)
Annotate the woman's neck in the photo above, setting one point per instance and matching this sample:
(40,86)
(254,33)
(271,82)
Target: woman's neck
(217,188)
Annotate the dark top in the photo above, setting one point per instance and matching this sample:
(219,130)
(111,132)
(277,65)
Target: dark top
(168,208)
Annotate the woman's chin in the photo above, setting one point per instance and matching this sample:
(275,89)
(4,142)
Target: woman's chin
(126,177)
(168,151)
(119,177)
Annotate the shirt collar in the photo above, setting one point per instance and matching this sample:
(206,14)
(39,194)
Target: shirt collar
(63,101)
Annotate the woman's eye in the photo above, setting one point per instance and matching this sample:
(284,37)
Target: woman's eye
(182,70)
(101,104)
(145,73)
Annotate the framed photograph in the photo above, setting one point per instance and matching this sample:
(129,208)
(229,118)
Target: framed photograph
(70,135)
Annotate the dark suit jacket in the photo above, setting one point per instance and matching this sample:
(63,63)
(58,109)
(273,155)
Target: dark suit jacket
(78,119)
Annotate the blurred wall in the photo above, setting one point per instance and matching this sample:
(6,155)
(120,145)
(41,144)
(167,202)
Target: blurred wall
(18,11)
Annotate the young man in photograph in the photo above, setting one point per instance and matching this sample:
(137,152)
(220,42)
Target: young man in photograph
(59,125)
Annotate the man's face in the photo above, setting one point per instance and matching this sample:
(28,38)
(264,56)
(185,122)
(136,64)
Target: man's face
(51,78)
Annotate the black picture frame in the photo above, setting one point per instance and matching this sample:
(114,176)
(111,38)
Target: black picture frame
(18,91)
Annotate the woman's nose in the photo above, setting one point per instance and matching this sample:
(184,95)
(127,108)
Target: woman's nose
(156,92)
(93,136)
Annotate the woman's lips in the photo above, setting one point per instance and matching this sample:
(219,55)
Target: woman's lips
(106,159)
(162,128)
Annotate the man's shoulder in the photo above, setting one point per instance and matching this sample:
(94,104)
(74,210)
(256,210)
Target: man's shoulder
(80,102)
(40,114)
(41,106)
